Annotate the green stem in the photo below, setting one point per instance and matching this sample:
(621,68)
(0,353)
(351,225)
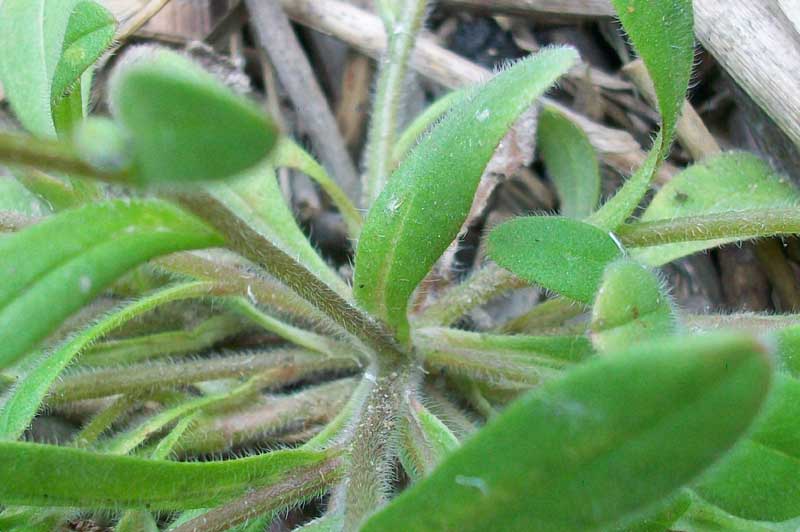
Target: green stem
(407,21)
(373,445)
(254,246)
(90,433)
(483,285)
(545,316)
(56,156)
(739,225)
(280,367)
(301,486)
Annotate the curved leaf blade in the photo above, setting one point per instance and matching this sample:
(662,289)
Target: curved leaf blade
(52,269)
(47,475)
(632,306)
(663,34)
(560,254)
(571,163)
(31,37)
(185,124)
(90,31)
(727,182)
(420,211)
(758,480)
(598,448)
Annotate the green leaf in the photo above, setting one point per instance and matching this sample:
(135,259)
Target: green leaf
(19,407)
(663,34)
(52,269)
(46,475)
(560,254)
(256,199)
(186,125)
(425,441)
(422,208)
(727,182)
(90,31)
(571,163)
(758,480)
(632,306)
(598,449)
(31,37)
(14,197)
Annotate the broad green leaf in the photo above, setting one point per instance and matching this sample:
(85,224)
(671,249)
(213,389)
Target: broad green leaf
(600,448)
(90,31)
(425,441)
(256,199)
(758,480)
(19,407)
(185,124)
(789,349)
(728,182)
(420,211)
(31,37)
(663,34)
(52,269)
(631,307)
(423,123)
(46,475)
(571,163)
(560,254)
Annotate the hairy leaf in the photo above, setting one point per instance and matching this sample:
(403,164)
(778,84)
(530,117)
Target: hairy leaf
(632,306)
(420,211)
(758,480)
(18,409)
(560,254)
(31,37)
(662,32)
(571,163)
(186,125)
(52,269)
(598,448)
(728,182)
(90,31)
(46,475)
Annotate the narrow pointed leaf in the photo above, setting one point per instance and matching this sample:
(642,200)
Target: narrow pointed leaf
(560,254)
(31,37)
(631,307)
(90,31)
(186,125)
(47,475)
(758,480)
(20,405)
(599,448)
(663,34)
(52,269)
(420,211)
(728,182)
(571,163)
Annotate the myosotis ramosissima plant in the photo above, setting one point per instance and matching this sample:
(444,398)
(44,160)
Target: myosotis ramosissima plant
(617,419)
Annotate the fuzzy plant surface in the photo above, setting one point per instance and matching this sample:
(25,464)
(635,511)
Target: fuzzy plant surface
(160,235)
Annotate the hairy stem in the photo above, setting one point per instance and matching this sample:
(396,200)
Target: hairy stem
(25,150)
(373,445)
(484,284)
(301,485)
(394,67)
(279,367)
(741,225)
(254,246)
